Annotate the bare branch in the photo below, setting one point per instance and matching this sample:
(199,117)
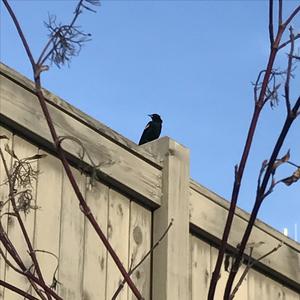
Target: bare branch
(23,271)
(257,85)
(9,263)
(250,264)
(288,73)
(12,179)
(293,164)
(21,34)
(261,172)
(259,103)
(240,172)
(17,290)
(279,13)
(10,248)
(297,36)
(292,16)
(83,152)
(270,93)
(65,41)
(61,154)
(121,285)
(271,25)
(260,195)
(54,279)
(287,181)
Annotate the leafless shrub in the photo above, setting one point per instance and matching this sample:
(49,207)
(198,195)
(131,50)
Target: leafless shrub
(267,89)
(65,41)
(22,178)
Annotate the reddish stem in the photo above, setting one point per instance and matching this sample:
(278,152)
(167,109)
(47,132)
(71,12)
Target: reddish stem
(240,171)
(260,196)
(86,210)
(239,176)
(17,290)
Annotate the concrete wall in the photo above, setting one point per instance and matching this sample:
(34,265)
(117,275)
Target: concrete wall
(138,192)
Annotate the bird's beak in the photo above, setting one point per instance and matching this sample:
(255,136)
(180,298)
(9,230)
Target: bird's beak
(150,116)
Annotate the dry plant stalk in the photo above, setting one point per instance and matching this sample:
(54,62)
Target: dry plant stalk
(265,90)
(64,42)
(132,269)
(20,180)
(250,264)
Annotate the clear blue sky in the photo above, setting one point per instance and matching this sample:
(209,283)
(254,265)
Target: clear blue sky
(190,61)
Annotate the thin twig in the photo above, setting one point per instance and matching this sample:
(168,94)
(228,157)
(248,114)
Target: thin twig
(250,264)
(10,248)
(83,149)
(260,195)
(60,35)
(61,154)
(24,41)
(292,164)
(26,272)
(54,280)
(279,13)
(9,263)
(241,167)
(21,224)
(271,25)
(23,271)
(42,59)
(240,170)
(121,285)
(292,16)
(297,36)
(17,290)
(44,51)
(261,172)
(289,73)
(256,85)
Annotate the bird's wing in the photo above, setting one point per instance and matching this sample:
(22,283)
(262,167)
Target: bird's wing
(147,126)
(143,138)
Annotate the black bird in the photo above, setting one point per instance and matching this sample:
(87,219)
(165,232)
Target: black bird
(152,130)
